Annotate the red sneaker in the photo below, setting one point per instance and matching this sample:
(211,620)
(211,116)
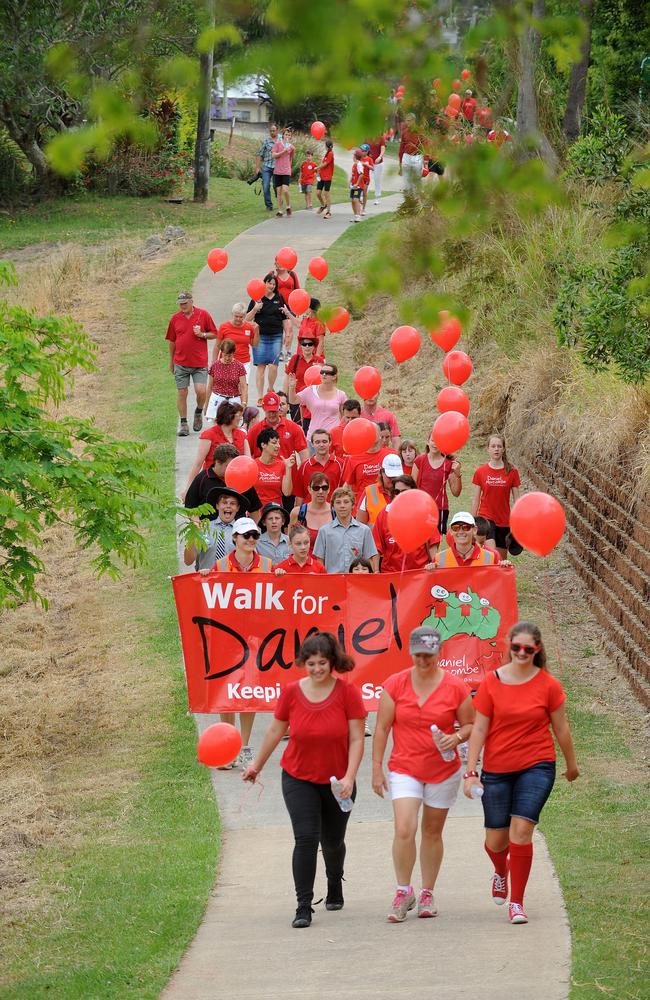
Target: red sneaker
(500,888)
(516,914)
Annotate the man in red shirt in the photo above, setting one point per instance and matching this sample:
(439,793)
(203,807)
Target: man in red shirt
(300,560)
(379,414)
(350,410)
(243,334)
(363,470)
(393,558)
(294,373)
(321,461)
(187,333)
(292,437)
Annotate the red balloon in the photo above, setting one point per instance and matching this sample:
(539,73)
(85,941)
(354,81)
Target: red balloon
(241,473)
(454,101)
(456,85)
(451,112)
(317,130)
(425,171)
(219,744)
(217,259)
(404,343)
(313,375)
(452,398)
(256,289)
(457,367)
(412,518)
(447,334)
(299,301)
(537,521)
(358,435)
(287,257)
(338,320)
(465,73)
(367,382)
(318,268)
(491,135)
(450,431)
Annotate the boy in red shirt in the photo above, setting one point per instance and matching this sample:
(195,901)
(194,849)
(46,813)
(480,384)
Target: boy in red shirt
(308,170)
(368,165)
(325,175)
(357,185)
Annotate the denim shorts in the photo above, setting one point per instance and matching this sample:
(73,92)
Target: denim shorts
(519,794)
(268,350)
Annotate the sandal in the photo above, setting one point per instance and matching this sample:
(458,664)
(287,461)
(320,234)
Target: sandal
(321,209)
(328,215)
(288,211)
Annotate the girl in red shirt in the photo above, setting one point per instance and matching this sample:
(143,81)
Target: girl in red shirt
(431,472)
(418,775)
(326,717)
(496,486)
(515,705)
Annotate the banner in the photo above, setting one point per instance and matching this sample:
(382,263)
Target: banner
(241,632)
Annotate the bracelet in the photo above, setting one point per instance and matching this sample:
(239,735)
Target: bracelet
(470,774)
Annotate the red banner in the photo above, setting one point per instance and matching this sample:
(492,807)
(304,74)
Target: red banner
(241,632)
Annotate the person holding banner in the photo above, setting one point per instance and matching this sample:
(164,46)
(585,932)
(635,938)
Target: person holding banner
(516,707)
(326,718)
(300,560)
(421,772)
(463,549)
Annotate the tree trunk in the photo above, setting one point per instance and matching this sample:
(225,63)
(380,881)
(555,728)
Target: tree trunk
(202,148)
(578,80)
(529,132)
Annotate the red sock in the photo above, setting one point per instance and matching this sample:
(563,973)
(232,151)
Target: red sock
(521,859)
(499,859)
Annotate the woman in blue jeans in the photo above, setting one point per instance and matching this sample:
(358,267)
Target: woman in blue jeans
(269,314)
(516,708)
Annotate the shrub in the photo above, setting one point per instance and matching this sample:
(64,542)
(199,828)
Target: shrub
(599,154)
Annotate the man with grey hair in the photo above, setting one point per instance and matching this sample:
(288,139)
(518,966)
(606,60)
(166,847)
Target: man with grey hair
(243,333)
(187,333)
(266,164)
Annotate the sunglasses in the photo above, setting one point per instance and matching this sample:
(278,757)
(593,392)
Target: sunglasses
(308,343)
(517,647)
(324,372)
(319,489)
(460,527)
(251,534)
(404,489)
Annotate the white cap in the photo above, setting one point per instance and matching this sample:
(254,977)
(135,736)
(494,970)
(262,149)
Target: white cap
(392,466)
(463,517)
(244,524)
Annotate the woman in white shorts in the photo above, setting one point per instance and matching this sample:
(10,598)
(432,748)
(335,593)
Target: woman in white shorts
(412,701)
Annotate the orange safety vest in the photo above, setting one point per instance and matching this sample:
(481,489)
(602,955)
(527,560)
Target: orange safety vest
(375,502)
(447,559)
(225,565)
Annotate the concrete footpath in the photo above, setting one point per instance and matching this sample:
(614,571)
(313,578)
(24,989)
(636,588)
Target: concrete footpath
(245,948)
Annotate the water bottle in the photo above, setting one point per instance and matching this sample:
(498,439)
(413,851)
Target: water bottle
(445,754)
(476,791)
(345,804)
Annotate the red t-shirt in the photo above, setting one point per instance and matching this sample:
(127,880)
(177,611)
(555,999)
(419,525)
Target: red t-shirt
(269,484)
(414,752)
(520,716)
(336,444)
(287,284)
(362,470)
(496,486)
(357,177)
(311,566)
(311,328)
(375,149)
(333,469)
(383,416)
(367,162)
(320,735)
(225,378)
(393,558)
(326,169)
(292,437)
(241,337)
(215,436)
(190,351)
(308,172)
(434,481)
(468,108)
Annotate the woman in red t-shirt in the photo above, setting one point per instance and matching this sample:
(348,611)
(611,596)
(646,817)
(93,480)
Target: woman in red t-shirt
(418,774)
(515,706)
(431,472)
(326,717)
(496,486)
(226,430)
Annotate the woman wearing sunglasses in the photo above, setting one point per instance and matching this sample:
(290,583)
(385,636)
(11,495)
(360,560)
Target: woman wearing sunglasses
(323,401)
(317,511)
(516,708)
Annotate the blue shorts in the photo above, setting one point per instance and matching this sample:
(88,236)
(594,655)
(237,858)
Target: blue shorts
(516,794)
(268,350)
(356,192)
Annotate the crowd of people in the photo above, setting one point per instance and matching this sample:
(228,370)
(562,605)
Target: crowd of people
(316,509)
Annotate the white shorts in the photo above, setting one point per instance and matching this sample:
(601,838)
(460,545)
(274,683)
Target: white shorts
(440,795)
(214,403)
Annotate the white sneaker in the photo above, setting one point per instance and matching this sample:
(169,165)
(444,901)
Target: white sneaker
(377,202)
(357,218)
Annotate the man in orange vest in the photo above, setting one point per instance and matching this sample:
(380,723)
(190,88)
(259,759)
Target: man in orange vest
(463,549)
(376,496)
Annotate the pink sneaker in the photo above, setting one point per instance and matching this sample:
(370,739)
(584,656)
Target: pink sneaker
(516,914)
(403,901)
(426,905)
(500,888)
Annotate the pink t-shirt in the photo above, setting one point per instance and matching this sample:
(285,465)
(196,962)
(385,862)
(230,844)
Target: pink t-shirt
(324,412)
(283,163)
(383,416)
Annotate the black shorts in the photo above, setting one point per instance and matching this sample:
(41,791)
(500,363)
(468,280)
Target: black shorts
(356,192)
(323,185)
(442,521)
(498,534)
(281,180)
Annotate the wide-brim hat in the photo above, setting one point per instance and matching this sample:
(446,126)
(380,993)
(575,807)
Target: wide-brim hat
(269,508)
(217,492)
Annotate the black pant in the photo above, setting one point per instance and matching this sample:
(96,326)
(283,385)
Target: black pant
(316,818)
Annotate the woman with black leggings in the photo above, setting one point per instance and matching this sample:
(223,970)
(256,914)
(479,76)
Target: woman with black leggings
(326,717)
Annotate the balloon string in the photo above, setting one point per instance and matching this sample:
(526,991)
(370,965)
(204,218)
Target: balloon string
(551,610)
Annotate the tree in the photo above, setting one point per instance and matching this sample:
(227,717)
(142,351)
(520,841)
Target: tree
(528,127)
(578,79)
(57,469)
(202,149)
